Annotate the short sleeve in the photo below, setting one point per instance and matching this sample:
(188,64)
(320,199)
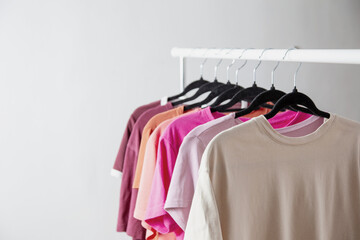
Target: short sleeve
(119,161)
(183,181)
(203,222)
(146,177)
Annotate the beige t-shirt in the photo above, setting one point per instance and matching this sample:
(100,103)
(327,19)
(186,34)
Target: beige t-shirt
(256,184)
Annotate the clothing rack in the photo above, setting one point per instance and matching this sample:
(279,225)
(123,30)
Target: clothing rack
(340,56)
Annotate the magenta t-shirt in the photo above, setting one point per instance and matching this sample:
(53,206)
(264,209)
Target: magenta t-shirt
(126,221)
(168,147)
(119,161)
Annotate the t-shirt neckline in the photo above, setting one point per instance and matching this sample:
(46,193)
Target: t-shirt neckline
(231,117)
(264,125)
(180,110)
(212,115)
(169,105)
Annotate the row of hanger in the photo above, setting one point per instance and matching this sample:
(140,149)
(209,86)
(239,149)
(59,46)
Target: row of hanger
(257,96)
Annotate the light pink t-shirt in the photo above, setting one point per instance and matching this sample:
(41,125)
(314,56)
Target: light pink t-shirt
(185,174)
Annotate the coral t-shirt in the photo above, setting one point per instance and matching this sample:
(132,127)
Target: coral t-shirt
(148,129)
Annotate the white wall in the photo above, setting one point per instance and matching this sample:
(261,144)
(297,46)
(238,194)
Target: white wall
(72,71)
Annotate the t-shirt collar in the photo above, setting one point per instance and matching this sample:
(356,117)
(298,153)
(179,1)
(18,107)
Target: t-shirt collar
(168,105)
(264,125)
(211,115)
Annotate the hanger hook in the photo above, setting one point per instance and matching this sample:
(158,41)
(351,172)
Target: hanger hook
(202,65)
(218,63)
(277,65)
(295,74)
(258,65)
(228,68)
(297,69)
(243,65)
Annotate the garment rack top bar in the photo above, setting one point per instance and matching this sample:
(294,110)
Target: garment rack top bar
(342,56)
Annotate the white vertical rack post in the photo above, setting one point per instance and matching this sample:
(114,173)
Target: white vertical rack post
(182,73)
(340,56)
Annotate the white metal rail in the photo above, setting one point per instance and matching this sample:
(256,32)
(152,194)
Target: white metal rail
(340,56)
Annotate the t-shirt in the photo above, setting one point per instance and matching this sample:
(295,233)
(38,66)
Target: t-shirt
(126,221)
(119,161)
(148,129)
(146,178)
(256,183)
(184,178)
(168,147)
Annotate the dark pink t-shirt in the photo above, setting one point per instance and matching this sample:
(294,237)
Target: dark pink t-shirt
(126,221)
(119,161)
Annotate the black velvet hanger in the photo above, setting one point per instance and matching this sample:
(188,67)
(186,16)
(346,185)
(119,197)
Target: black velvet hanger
(228,94)
(223,92)
(188,88)
(296,98)
(208,87)
(194,85)
(247,94)
(272,95)
(216,92)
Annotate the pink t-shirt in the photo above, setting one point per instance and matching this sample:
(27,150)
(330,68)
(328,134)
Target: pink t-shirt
(119,161)
(185,174)
(146,180)
(168,148)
